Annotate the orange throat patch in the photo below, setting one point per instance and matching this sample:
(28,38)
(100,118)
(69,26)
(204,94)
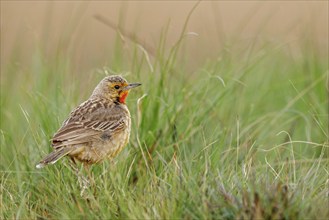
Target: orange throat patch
(123,97)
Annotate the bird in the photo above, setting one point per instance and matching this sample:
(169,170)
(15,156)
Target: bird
(96,130)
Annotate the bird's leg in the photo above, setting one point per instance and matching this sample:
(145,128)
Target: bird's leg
(83,182)
(73,166)
(91,178)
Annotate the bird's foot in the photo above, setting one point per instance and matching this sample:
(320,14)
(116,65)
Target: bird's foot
(84,185)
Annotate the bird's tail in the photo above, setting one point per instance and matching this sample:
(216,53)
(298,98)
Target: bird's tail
(53,157)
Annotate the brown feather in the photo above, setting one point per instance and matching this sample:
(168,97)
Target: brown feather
(79,130)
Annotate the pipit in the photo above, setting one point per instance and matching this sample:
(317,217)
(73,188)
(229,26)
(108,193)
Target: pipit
(96,130)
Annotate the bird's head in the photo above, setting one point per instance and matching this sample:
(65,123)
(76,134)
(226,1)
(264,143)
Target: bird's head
(115,88)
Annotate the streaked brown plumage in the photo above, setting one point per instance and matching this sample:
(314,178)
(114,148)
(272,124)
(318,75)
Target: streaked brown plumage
(98,128)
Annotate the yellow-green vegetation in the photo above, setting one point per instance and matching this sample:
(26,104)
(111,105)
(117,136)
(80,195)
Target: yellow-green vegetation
(242,136)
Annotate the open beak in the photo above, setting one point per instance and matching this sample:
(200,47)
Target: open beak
(130,86)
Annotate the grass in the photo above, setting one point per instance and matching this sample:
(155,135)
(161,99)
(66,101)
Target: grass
(242,136)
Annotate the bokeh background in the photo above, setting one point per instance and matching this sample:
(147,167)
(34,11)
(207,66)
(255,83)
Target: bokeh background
(52,25)
(231,121)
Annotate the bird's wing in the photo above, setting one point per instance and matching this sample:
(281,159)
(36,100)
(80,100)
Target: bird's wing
(88,122)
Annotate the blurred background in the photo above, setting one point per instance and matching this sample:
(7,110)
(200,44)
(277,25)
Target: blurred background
(231,121)
(71,25)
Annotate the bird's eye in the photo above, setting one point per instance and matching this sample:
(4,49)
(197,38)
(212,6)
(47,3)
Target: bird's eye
(117,87)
